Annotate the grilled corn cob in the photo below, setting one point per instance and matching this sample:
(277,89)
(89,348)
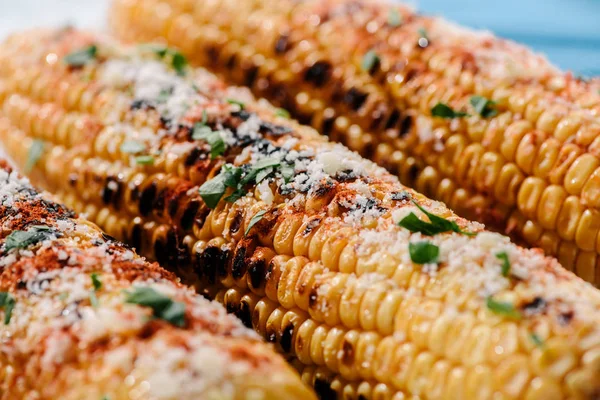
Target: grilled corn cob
(480,123)
(370,289)
(69,331)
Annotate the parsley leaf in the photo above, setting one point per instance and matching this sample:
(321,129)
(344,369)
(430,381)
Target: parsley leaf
(394,18)
(214,139)
(237,102)
(7,301)
(96,281)
(282,112)
(288,171)
(254,220)
(211,191)
(537,340)
(174,57)
(33,156)
(444,111)
(503,256)
(484,107)
(144,160)
(370,61)
(179,62)
(24,239)
(162,306)
(131,146)
(79,58)
(437,224)
(423,252)
(502,308)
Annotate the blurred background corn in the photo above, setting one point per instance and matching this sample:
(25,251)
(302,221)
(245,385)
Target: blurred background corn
(84,317)
(368,75)
(371,290)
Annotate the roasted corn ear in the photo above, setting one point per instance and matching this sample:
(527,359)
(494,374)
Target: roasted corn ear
(483,124)
(84,317)
(370,289)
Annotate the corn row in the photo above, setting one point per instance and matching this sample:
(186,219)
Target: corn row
(369,288)
(369,74)
(72,328)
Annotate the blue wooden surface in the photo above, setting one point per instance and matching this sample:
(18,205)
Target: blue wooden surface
(568,31)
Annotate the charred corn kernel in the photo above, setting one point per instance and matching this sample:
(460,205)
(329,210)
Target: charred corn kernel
(69,264)
(292,55)
(301,239)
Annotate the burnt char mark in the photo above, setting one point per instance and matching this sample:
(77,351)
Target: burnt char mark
(187,217)
(236,221)
(346,175)
(536,306)
(565,318)
(311,226)
(224,267)
(242,114)
(136,237)
(286,338)
(413,172)
(73,179)
(231,62)
(318,74)
(405,126)
(244,313)
(312,297)
(400,196)
(141,104)
(392,119)
(355,98)
(195,155)
(232,308)
(212,53)
(160,251)
(257,270)
(147,199)
(272,129)
(327,126)
(209,261)
(243,252)
(111,191)
(159,202)
(282,44)
(201,215)
(250,77)
(347,353)
(324,390)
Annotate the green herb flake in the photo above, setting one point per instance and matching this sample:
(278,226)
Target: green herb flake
(423,252)
(287,172)
(94,300)
(63,296)
(24,239)
(484,107)
(503,256)
(254,220)
(144,160)
(7,302)
(81,57)
(370,60)
(537,340)
(204,118)
(35,153)
(132,147)
(213,138)
(96,282)
(179,62)
(444,111)
(502,308)
(162,306)
(172,56)
(394,18)
(437,224)
(236,102)
(211,191)
(282,112)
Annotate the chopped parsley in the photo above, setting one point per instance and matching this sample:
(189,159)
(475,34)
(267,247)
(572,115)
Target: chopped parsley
(24,239)
(236,102)
(423,252)
(7,302)
(370,61)
(282,112)
(444,111)
(131,146)
(394,18)
(144,160)
(97,286)
(437,224)
(503,256)
(484,107)
(35,153)
(213,138)
(81,57)
(538,341)
(174,57)
(237,178)
(257,217)
(162,306)
(502,308)
(287,171)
